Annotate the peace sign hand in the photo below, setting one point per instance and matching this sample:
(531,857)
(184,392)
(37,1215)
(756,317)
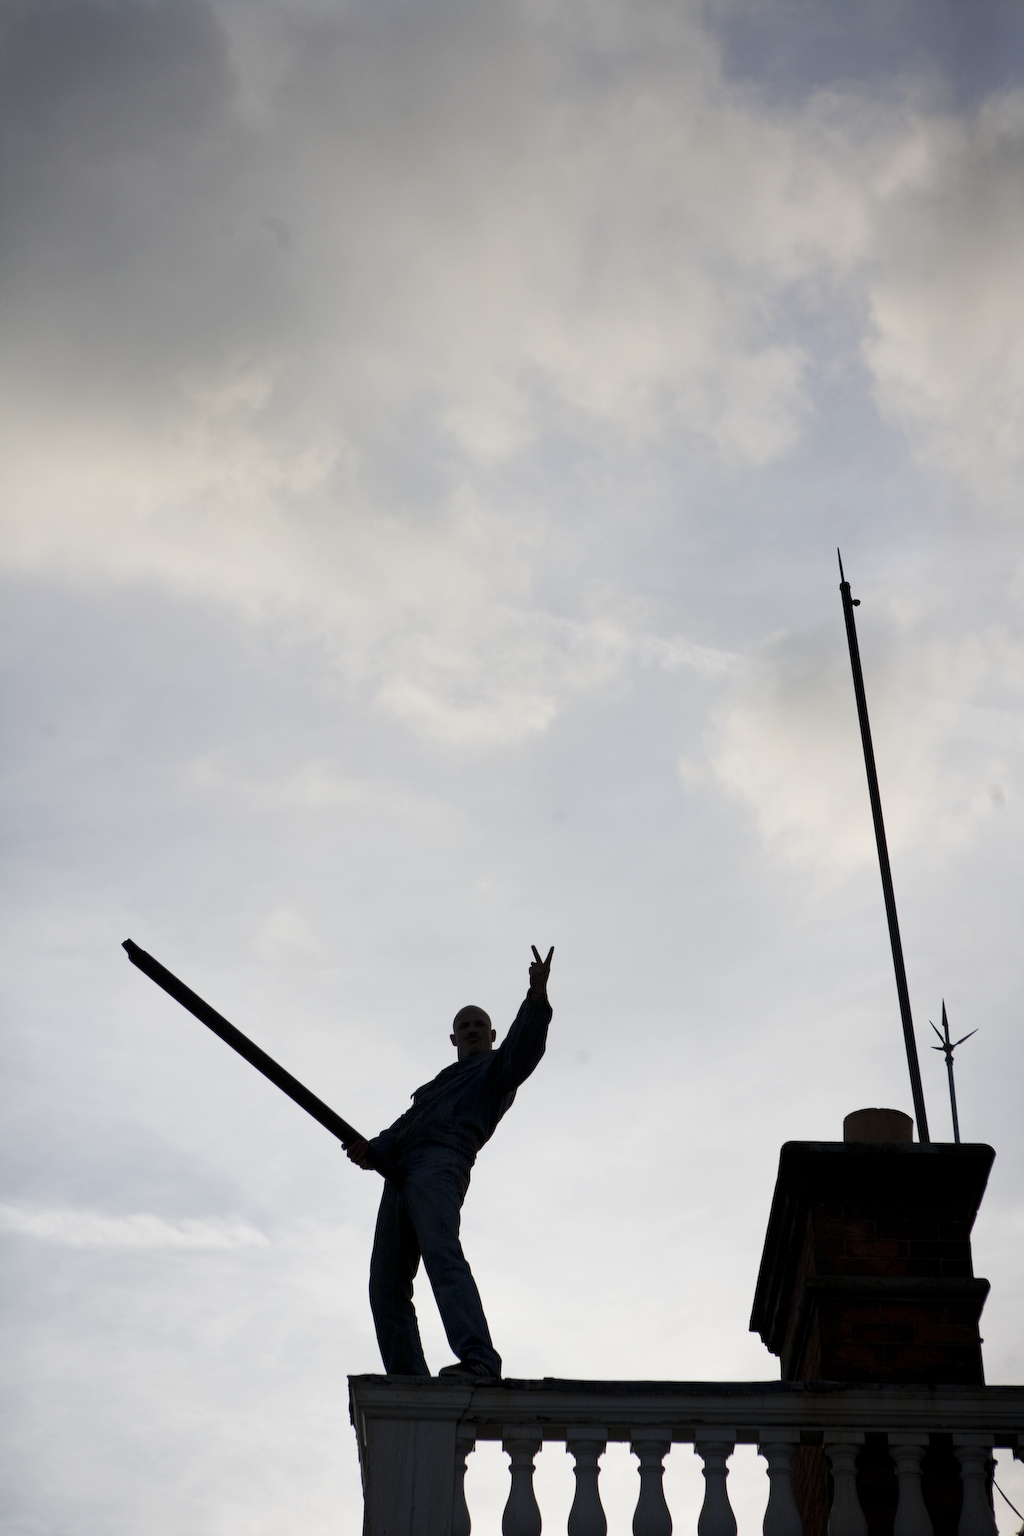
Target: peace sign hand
(539,970)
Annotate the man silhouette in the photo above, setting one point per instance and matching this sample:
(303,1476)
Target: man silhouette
(431,1149)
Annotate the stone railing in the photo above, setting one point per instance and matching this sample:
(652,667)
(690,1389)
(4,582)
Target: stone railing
(415,1435)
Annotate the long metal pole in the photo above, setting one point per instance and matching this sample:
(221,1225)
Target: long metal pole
(849,603)
(246,1048)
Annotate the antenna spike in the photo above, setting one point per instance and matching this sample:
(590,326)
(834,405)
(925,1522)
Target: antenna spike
(840,554)
(947,1048)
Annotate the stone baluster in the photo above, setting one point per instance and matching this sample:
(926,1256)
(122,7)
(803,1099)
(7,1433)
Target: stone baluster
(912,1517)
(522,1512)
(716,1516)
(974,1453)
(465,1441)
(781,1518)
(586,1443)
(846,1518)
(651,1517)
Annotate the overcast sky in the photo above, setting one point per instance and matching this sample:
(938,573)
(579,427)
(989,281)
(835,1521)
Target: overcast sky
(427,432)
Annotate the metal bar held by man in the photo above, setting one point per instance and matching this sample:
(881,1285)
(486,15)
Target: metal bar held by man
(301,1095)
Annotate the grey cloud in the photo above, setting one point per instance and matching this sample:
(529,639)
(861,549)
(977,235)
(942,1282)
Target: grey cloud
(494,225)
(111,78)
(120,148)
(792,47)
(946,343)
(150,202)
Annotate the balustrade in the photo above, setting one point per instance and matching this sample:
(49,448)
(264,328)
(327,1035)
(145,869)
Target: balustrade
(781,1518)
(465,1441)
(912,1517)
(846,1518)
(586,1444)
(415,1435)
(652,1516)
(716,1516)
(522,1512)
(974,1453)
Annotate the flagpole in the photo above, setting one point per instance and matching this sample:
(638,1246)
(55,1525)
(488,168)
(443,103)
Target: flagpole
(849,603)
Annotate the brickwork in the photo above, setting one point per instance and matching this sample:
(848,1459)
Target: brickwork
(884,1339)
(812,1488)
(848,1240)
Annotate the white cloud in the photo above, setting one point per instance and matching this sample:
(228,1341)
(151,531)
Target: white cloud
(946,727)
(94,1229)
(946,340)
(285,936)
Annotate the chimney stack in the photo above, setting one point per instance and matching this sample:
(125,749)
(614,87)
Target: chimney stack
(867,1276)
(867,1272)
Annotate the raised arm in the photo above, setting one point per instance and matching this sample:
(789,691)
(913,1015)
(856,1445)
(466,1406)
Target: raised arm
(523,1046)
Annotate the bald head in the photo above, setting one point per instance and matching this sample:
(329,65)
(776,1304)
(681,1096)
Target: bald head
(472,1034)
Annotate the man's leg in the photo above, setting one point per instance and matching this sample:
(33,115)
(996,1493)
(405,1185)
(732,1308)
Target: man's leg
(393,1264)
(433,1193)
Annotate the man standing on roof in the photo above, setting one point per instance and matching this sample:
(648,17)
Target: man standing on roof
(432,1148)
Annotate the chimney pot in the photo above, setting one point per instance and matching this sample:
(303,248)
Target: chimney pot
(878,1125)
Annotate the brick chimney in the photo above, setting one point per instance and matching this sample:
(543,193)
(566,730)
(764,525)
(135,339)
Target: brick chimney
(867,1276)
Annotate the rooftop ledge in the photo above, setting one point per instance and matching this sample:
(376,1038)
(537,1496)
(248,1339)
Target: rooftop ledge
(552,1405)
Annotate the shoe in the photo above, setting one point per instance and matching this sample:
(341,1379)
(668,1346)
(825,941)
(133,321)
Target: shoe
(471,1370)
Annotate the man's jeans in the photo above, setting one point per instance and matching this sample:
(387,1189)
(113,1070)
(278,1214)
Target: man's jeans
(422,1219)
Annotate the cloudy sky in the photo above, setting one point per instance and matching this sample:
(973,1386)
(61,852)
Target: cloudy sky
(428,426)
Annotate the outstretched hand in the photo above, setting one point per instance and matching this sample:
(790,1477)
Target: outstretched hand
(539,970)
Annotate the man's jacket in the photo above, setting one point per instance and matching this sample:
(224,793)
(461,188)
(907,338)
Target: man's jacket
(461,1108)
